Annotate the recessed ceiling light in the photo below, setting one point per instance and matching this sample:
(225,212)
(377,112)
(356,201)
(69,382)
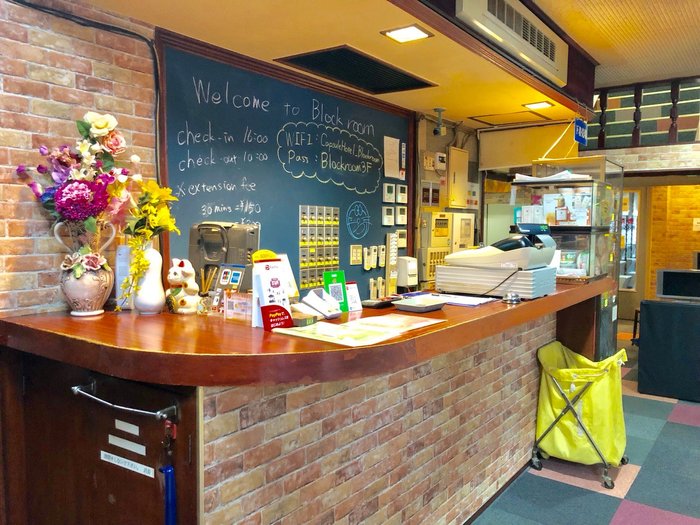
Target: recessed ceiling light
(539,105)
(407,34)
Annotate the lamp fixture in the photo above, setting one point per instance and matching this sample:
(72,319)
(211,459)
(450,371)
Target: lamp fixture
(538,105)
(407,34)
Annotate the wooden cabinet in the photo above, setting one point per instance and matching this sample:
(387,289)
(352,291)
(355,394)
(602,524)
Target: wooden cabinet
(88,463)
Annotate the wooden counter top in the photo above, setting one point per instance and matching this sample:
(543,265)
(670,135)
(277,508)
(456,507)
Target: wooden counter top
(207,351)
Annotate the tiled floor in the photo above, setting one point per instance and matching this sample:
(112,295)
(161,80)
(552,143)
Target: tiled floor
(659,486)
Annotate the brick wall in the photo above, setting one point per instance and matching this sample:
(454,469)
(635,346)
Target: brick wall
(653,158)
(52,72)
(672,241)
(428,444)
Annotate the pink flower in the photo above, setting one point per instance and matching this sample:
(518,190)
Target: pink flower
(36,189)
(78,200)
(113,142)
(93,261)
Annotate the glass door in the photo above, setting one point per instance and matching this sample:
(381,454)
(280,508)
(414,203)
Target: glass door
(629,239)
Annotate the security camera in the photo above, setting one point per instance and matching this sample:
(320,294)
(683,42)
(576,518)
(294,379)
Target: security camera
(439,129)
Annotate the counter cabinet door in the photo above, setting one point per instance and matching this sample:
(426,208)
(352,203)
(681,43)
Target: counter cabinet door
(87,463)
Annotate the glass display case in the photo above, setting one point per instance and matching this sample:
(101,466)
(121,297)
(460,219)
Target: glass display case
(581,200)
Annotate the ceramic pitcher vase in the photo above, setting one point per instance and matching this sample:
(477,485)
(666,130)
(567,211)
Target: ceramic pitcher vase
(150,298)
(87,294)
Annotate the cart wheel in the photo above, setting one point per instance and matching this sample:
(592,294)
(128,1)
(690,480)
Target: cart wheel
(608,482)
(624,460)
(536,463)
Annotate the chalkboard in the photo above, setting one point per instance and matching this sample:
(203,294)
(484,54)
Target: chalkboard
(246,147)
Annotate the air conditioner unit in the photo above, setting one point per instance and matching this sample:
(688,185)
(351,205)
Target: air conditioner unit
(511,26)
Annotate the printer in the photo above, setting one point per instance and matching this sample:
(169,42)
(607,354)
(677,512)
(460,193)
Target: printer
(517,264)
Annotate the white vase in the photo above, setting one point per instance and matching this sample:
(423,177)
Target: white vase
(150,298)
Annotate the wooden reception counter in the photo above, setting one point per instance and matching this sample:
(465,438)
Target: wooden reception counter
(273,428)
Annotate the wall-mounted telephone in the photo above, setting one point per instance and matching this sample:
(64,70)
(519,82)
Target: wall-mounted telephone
(366,259)
(373,289)
(373,256)
(323,303)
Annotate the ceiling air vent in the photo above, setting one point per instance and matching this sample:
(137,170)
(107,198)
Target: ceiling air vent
(518,31)
(353,68)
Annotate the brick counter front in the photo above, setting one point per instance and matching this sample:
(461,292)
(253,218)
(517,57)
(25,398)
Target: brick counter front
(427,444)
(423,428)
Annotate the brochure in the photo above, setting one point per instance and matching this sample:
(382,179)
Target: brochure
(360,332)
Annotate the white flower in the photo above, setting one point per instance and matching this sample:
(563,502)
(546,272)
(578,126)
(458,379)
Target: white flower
(137,177)
(135,159)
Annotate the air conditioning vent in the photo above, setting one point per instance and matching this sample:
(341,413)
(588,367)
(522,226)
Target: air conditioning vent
(518,31)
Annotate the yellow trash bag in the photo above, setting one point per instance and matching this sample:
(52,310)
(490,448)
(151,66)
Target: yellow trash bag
(594,389)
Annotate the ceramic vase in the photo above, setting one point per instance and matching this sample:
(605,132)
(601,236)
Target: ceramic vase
(87,295)
(150,298)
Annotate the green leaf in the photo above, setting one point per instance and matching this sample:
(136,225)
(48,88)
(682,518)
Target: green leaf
(84,250)
(107,161)
(83,128)
(90,224)
(78,271)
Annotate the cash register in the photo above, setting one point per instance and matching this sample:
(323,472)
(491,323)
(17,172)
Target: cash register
(518,264)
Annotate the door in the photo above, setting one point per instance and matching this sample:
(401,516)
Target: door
(91,464)
(633,225)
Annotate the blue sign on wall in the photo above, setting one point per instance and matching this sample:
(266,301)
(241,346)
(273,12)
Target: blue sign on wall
(580,131)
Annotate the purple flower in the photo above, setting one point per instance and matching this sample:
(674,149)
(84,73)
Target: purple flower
(21,170)
(36,189)
(43,150)
(48,194)
(42,169)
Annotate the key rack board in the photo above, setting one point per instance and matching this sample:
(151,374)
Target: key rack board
(251,142)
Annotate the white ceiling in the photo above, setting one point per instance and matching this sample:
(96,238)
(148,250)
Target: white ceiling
(633,40)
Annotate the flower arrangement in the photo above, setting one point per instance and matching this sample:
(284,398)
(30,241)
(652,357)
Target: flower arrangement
(81,186)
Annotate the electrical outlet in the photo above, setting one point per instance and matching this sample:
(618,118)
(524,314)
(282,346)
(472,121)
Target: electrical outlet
(440,162)
(355,254)
(428,161)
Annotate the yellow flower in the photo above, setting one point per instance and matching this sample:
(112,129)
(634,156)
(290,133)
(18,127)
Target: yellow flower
(100,125)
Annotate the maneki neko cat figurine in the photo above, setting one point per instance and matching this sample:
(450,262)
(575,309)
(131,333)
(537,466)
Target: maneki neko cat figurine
(182,296)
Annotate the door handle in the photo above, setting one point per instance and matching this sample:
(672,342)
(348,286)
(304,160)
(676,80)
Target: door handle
(89,392)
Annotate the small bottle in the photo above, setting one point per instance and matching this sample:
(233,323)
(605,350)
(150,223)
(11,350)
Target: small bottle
(204,305)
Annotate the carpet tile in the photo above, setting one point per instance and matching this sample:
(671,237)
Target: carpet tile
(659,486)
(632,513)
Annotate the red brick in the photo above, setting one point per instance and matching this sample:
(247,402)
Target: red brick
(94,85)
(336,421)
(260,411)
(134,63)
(236,397)
(320,448)
(262,454)
(117,42)
(301,477)
(223,470)
(284,465)
(316,411)
(71,96)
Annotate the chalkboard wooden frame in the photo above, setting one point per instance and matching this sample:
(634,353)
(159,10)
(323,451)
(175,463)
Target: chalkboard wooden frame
(166,39)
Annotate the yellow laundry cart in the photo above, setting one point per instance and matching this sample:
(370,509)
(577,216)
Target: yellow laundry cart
(579,412)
